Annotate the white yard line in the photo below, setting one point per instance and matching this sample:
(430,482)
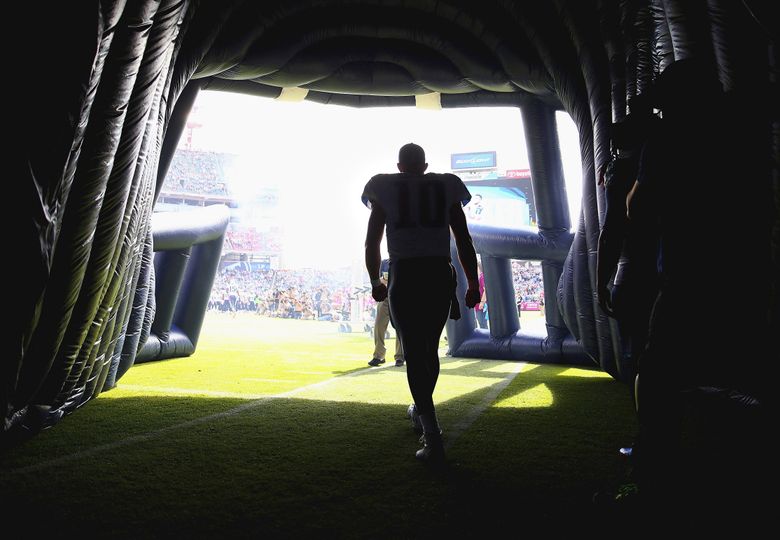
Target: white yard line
(452,434)
(271,380)
(170,390)
(162,431)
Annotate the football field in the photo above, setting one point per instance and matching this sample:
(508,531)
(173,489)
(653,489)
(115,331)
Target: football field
(278,428)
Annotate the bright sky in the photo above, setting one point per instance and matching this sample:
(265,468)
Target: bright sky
(321,156)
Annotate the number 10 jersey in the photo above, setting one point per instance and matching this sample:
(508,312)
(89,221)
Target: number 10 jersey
(417,211)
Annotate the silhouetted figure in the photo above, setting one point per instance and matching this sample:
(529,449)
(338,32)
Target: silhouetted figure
(628,249)
(419,210)
(699,187)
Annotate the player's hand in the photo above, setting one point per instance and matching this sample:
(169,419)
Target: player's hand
(472,297)
(379,292)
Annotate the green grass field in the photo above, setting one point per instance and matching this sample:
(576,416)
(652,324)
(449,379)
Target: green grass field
(278,429)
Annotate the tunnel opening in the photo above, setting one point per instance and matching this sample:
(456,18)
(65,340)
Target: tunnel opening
(289,172)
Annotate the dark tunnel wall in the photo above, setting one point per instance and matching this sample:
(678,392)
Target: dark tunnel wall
(94,86)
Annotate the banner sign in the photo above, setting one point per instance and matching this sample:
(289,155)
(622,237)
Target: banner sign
(518,173)
(473,160)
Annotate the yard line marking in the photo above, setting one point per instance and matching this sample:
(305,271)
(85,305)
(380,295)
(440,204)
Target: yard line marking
(189,423)
(465,422)
(190,391)
(270,380)
(452,435)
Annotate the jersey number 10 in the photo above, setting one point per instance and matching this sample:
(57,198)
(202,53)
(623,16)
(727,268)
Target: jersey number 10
(421,204)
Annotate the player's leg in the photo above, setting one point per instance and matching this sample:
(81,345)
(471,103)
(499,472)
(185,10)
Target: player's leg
(380,327)
(419,303)
(399,349)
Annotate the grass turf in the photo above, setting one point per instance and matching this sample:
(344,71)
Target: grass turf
(277,428)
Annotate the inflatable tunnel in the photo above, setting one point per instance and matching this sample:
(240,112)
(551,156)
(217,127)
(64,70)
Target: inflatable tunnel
(549,244)
(100,90)
(187,249)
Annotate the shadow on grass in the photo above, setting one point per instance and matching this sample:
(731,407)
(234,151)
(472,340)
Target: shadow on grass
(349,371)
(302,468)
(307,468)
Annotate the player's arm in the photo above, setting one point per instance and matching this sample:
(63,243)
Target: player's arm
(606,261)
(374,233)
(466,253)
(610,245)
(637,203)
(641,203)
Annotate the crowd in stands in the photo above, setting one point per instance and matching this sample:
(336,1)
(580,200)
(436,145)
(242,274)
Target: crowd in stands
(194,171)
(305,294)
(250,240)
(527,278)
(323,295)
(291,294)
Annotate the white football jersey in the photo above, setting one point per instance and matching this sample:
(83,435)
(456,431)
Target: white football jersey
(417,211)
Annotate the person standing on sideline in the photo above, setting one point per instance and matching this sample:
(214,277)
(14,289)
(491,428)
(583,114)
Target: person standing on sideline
(419,210)
(380,325)
(480,310)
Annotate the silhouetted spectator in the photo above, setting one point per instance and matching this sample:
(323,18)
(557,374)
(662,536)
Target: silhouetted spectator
(702,190)
(628,249)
